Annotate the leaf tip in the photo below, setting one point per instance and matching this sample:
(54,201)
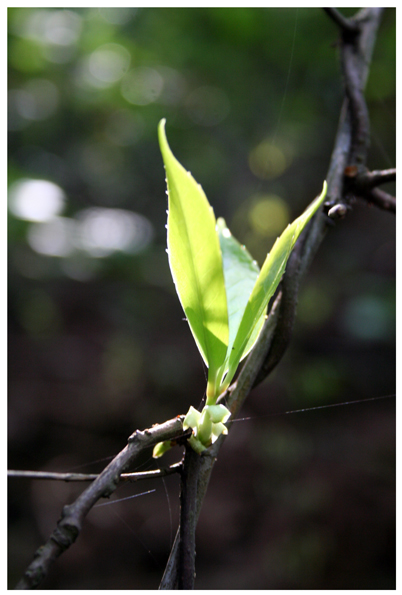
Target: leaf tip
(162,135)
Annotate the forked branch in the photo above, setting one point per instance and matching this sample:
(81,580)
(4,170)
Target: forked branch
(70,524)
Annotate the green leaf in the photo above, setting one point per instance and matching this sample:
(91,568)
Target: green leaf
(266,284)
(196,262)
(241,273)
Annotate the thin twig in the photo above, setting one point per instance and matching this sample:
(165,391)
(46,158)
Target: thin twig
(371,179)
(364,184)
(381,199)
(362,179)
(357,104)
(129,477)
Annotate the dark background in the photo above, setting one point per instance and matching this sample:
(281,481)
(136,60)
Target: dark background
(97,342)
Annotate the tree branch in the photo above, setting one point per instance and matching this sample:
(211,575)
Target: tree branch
(124,477)
(188,518)
(364,184)
(70,524)
(356,54)
(371,179)
(343,151)
(353,132)
(381,199)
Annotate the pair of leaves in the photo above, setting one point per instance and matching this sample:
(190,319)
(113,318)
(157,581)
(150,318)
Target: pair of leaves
(222,291)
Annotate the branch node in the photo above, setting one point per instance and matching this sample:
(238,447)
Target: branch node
(338,211)
(65,535)
(347,26)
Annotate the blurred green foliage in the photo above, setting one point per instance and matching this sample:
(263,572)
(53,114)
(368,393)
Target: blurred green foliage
(97,345)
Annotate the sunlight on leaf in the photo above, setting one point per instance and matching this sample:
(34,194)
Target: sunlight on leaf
(222,291)
(196,262)
(241,273)
(267,282)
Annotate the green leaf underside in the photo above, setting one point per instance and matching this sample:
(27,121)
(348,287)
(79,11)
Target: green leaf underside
(267,282)
(195,260)
(241,273)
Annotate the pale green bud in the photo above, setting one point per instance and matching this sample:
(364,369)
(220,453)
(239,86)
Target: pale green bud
(196,444)
(192,419)
(218,413)
(217,430)
(204,428)
(207,425)
(161,448)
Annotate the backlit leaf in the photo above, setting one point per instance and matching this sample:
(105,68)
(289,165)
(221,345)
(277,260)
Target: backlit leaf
(241,273)
(196,262)
(267,282)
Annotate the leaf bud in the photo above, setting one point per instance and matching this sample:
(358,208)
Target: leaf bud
(218,413)
(204,428)
(196,444)
(160,448)
(217,430)
(192,419)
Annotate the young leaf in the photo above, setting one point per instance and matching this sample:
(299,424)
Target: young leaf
(241,273)
(196,262)
(267,282)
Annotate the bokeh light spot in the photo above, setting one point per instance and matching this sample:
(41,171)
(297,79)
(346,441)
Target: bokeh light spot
(108,64)
(62,27)
(269,215)
(103,231)
(52,238)
(36,200)
(267,161)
